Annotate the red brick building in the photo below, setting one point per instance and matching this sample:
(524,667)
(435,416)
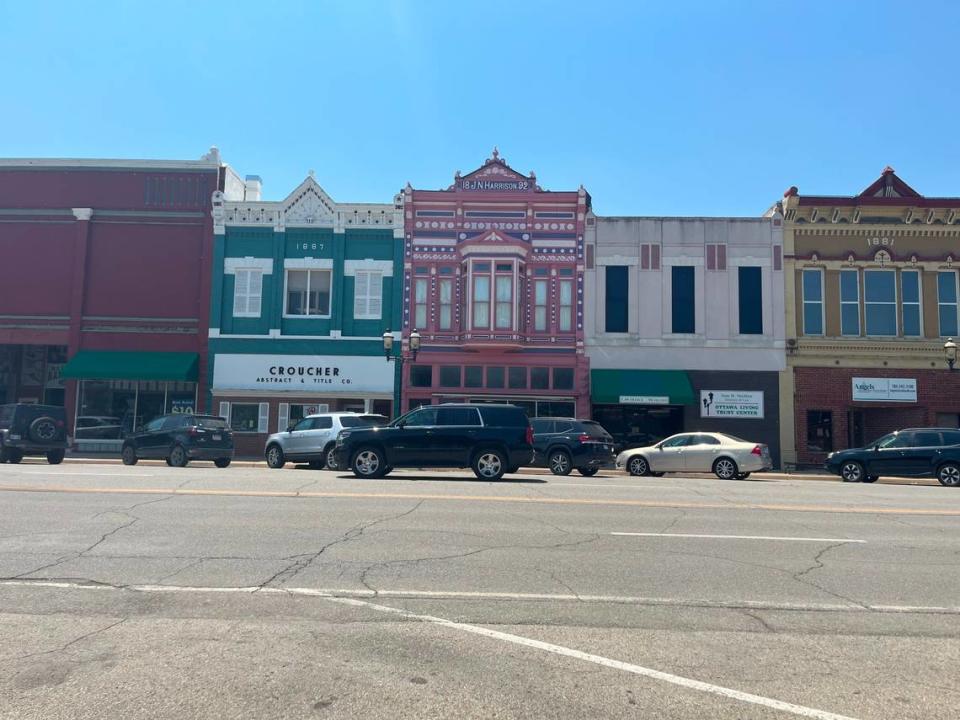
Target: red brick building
(106,280)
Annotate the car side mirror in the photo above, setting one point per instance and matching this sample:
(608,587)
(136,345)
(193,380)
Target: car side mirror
(291,425)
(401,425)
(876,448)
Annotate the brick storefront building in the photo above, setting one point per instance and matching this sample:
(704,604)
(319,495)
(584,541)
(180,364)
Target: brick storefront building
(872,295)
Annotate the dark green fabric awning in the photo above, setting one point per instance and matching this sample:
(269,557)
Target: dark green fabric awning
(123,365)
(641,387)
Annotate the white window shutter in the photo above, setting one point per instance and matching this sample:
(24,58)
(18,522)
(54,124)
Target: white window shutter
(361,289)
(283,418)
(255,292)
(241,289)
(375,295)
(225,411)
(323,407)
(264,418)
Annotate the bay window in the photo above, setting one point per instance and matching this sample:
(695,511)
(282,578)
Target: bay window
(503,311)
(481,301)
(308,292)
(880,302)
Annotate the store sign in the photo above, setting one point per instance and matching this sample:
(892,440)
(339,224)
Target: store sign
(644,400)
(744,404)
(181,406)
(885,389)
(340,374)
(496,185)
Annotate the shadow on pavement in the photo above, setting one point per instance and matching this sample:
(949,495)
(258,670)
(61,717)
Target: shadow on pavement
(453,478)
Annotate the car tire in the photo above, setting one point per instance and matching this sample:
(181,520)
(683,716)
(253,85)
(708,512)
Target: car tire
(638,466)
(178,456)
(743,476)
(55,457)
(222,462)
(559,462)
(129,455)
(657,474)
(14,456)
(330,456)
(871,478)
(588,472)
(369,463)
(852,471)
(275,457)
(489,464)
(316,464)
(4,455)
(43,430)
(949,474)
(725,468)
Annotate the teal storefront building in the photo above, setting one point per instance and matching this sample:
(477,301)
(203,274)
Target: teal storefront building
(303,290)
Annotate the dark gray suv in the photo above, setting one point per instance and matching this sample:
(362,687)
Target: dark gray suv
(32,430)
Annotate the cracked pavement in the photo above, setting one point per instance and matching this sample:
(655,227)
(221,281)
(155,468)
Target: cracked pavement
(194,600)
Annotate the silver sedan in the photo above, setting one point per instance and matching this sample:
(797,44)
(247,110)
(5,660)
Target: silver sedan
(728,457)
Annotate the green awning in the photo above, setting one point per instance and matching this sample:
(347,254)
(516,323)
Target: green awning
(641,387)
(122,365)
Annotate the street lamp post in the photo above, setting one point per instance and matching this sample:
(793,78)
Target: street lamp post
(950,350)
(399,359)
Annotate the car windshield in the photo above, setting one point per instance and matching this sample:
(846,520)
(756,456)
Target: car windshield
(350,421)
(210,422)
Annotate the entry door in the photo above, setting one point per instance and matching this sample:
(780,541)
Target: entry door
(669,457)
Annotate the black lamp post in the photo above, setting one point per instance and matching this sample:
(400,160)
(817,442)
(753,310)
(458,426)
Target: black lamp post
(414,348)
(950,350)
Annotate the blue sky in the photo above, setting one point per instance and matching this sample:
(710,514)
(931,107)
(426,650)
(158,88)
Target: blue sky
(658,108)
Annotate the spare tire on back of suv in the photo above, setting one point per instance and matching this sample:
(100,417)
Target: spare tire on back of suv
(43,430)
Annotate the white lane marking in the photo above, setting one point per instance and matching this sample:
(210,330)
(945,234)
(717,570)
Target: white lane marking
(470,595)
(738,537)
(21,471)
(679,680)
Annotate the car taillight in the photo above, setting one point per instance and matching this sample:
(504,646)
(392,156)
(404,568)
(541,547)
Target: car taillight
(529,435)
(584,438)
(756,450)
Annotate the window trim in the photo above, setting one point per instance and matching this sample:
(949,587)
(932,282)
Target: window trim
(955,305)
(369,297)
(918,303)
(895,303)
(286,297)
(804,302)
(857,302)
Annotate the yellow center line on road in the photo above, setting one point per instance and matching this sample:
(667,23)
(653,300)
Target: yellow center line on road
(195,492)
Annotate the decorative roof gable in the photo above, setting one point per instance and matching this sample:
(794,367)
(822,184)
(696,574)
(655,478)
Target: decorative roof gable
(495,175)
(888,185)
(309,204)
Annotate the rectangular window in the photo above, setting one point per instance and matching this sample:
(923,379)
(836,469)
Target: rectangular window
(504,314)
(910,303)
(449,376)
(481,301)
(812,302)
(446,304)
(495,377)
(421,375)
(819,431)
(420,294)
(751,300)
(539,378)
(247,293)
(540,305)
(518,378)
(849,302)
(617,301)
(473,376)
(947,302)
(367,295)
(244,417)
(716,256)
(566,305)
(308,292)
(880,302)
(563,378)
(683,304)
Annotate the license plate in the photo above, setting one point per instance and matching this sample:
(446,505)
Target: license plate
(217,437)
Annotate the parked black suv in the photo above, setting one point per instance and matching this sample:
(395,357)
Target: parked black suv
(181,438)
(491,439)
(564,444)
(913,452)
(32,430)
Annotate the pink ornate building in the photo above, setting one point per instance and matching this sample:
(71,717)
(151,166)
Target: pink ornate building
(493,281)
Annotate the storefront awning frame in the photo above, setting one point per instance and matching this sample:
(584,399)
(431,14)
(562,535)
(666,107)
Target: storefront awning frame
(132,365)
(645,387)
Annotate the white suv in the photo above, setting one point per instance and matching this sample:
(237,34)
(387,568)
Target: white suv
(312,439)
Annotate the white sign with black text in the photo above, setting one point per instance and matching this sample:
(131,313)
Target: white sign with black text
(885,389)
(744,404)
(329,374)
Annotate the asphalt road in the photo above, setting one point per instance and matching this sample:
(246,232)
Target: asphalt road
(247,593)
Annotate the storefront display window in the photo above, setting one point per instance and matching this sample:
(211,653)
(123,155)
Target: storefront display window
(110,410)
(819,431)
(244,417)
